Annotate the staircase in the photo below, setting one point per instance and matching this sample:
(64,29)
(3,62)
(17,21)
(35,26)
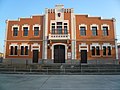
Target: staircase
(60,69)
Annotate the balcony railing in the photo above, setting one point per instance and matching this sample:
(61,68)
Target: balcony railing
(59,31)
(59,36)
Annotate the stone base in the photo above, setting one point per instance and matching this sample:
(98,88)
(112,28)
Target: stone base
(51,61)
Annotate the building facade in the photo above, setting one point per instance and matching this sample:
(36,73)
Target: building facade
(1,54)
(60,36)
(118,44)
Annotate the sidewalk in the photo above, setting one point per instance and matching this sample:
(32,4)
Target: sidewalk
(59,82)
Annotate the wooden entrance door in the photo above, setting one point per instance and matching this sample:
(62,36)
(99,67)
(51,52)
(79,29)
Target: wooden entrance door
(59,54)
(35,56)
(83,56)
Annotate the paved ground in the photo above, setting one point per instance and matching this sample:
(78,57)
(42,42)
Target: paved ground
(59,82)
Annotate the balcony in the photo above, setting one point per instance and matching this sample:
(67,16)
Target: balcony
(59,36)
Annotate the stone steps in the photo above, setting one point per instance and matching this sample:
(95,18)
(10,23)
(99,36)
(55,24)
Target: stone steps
(60,69)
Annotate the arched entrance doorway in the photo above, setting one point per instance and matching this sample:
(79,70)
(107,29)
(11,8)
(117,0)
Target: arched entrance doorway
(59,54)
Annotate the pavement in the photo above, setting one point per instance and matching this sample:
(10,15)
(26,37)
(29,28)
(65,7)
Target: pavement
(59,82)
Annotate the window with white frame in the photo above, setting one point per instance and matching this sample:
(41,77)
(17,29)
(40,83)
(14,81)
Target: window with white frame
(107,48)
(105,31)
(53,28)
(24,49)
(16,50)
(105,28)
(83,29)
(13,50)
(65,28)
(25,31)
(94,28)
(95,49)
(36,28)
(36,31)
(59,27)
(94,31)
(15,29)
(104,50)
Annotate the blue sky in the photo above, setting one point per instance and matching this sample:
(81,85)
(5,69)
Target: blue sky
(13,9)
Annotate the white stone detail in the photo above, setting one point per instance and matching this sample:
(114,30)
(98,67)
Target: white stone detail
(24,44)
(59,9)
(5,42)
(45,33)
(59,36)
(106,25)
(14,44)
(83,45)
(37,25)
(95,45)
(106,45)
(26,25)
(83,25)
(94,25)
(55,21)
(35,45)
(15,25)
(59,44)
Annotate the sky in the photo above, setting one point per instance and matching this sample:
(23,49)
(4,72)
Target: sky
(13,9)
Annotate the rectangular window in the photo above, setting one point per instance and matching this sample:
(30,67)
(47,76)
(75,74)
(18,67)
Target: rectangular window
(82,31)
(16,50)
(94,31)
(93,50)
(65,24)
(53,29)
(65,30)
(53,23)
(104,50)
(59,23)
(97,50)
(15,31)
(26,50)
(105,31)
(109,50)
(59,27)
(11,50)
(25,31)
(36,31)
(22,50)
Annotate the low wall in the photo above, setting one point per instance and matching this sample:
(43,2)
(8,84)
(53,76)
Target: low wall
(51,61)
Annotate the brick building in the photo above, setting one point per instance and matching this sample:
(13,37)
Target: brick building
(60,36)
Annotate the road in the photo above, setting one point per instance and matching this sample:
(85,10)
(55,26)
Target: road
(59,82)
